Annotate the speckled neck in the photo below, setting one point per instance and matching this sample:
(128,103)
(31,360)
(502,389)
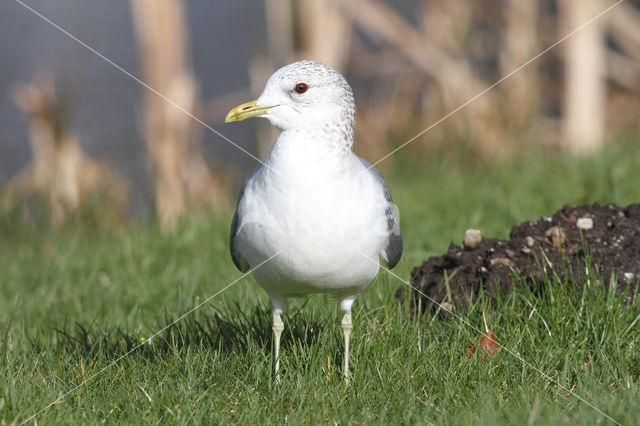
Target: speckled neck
(331,139)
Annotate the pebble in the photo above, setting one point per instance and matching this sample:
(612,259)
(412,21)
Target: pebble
(446,306)
(530,241)
(472,237)
(557,235)
(501,261)
(585,223)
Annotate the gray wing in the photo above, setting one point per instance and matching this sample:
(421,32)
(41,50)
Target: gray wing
(393,249)
(240,262)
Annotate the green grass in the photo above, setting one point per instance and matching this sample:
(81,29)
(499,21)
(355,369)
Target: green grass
(72,303)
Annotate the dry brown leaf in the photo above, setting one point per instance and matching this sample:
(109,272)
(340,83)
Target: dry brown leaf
(470,350)
(489,343)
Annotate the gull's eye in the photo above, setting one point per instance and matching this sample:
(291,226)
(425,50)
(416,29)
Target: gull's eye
(301,88)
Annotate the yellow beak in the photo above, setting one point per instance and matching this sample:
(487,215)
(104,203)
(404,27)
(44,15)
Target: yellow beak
(245,111)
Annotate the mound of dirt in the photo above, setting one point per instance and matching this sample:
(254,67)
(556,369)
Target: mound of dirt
(606,236)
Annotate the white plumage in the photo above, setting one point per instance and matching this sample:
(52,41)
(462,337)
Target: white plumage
(326,211)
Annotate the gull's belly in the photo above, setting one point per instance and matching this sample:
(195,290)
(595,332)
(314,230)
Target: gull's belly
(323,243)
(310,263)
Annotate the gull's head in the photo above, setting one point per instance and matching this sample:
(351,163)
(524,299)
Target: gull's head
(305,94)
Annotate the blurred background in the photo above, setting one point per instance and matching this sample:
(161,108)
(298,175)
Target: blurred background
(80,136)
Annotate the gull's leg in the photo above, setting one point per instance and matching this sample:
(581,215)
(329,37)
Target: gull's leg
(278,327)
(347,326)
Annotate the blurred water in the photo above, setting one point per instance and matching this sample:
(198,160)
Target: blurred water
(104,102)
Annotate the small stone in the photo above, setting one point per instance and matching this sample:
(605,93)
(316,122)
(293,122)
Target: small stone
(446,306)
(530,241)
(526,250)
(557,235)
(472,238)
(510,253)
(501,261)
(585,223)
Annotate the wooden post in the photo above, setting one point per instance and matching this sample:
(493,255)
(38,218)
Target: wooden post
(180,173)
(325,31)
(585,87)
(520,43)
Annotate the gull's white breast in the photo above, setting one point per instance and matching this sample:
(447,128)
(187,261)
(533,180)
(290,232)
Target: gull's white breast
(322,219)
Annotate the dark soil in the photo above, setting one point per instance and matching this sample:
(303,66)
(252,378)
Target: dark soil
(559,244)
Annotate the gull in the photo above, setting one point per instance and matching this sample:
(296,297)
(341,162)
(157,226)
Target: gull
(326,211)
